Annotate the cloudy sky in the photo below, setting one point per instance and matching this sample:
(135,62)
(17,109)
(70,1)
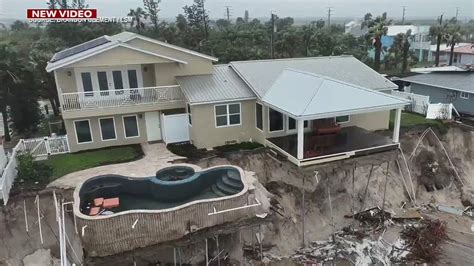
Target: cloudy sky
(261,8)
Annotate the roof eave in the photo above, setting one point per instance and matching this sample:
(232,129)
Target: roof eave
(55,65)
(338,113)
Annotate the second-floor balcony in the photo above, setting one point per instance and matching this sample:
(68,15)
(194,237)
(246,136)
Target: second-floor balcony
(77,101)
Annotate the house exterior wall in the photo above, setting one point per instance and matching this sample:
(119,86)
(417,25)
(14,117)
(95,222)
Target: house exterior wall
(205,134)
(65,82)
(370,121)
(440,95)
(66,78)
(97,141)
(195,65)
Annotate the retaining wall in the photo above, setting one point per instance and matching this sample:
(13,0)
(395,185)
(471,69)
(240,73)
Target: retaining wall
(112,234)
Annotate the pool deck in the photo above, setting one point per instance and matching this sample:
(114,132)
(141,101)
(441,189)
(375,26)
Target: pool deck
(156,157)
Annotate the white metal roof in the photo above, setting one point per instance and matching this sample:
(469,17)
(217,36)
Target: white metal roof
(396,29)
(306,95)
(223,85)
(261,74)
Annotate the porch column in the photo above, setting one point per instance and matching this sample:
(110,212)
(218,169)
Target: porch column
(396,125)
(300,127)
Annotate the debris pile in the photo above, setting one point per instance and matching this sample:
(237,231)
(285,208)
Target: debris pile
(379,237)
(424,239)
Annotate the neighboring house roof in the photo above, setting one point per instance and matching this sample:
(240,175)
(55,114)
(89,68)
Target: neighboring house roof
(105,43)
(396,29)
(438,69)
(458,81)
(446,48)
(261,74)
(355,28)
(221,86)
(320,97)
(466,49)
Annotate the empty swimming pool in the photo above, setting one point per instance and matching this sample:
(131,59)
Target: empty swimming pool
(169,188)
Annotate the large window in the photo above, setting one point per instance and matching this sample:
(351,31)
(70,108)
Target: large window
(190,119)
(87,83)
(292,124)
(107,128)
(103,82)
(130,125)
(259,116)
(118,81)
(464,95)
(275,119)
(132,78)
(83,131)
(227,114)
(343,119)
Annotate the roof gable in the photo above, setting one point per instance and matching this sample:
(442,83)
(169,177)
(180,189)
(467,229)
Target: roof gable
(304,94)
(105,43)
(99,53)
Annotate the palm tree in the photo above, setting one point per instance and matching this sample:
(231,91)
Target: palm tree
(137,15)
(8,79)
(452,35)
(377,28)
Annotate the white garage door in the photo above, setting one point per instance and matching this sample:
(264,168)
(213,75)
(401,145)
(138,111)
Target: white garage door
(175,128)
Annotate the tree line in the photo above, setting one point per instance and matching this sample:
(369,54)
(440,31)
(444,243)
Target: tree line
(25,49)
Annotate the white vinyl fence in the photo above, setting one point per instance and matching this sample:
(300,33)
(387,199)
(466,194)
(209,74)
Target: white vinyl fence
(8,175)
(38,147)
(419,103)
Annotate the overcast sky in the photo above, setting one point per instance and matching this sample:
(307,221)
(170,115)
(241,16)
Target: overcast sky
(262,8)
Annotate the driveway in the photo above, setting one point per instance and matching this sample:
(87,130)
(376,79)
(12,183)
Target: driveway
(156,156)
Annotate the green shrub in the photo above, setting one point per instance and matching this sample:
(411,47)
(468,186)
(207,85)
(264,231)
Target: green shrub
(239,147)
(31,171)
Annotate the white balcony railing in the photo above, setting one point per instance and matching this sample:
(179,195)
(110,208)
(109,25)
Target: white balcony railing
(117,98)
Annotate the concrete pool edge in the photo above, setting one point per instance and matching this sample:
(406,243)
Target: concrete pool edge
(245,182)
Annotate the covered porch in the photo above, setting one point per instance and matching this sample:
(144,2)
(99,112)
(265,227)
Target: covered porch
(349,141)
(328,105)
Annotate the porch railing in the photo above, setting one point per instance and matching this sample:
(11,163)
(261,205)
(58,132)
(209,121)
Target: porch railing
(117,98)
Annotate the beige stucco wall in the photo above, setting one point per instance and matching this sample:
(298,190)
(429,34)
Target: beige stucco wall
(97,142)
(370,121)
(195,65)
(65,82)
(204,134)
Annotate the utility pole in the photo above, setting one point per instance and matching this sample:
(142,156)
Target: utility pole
(403,16)
(329,15)
(438,41)
(457,13)
(272,36)
(205,19)
(227,11)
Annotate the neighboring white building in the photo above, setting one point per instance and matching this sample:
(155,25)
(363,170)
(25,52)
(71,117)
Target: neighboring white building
(355,28)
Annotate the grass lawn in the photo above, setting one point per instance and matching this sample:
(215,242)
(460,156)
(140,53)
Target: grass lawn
(68,163)
(410,120)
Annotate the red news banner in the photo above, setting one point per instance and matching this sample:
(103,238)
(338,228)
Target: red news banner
(61,13)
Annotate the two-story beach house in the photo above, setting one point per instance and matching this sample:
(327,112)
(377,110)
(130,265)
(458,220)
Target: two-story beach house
(127,89)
